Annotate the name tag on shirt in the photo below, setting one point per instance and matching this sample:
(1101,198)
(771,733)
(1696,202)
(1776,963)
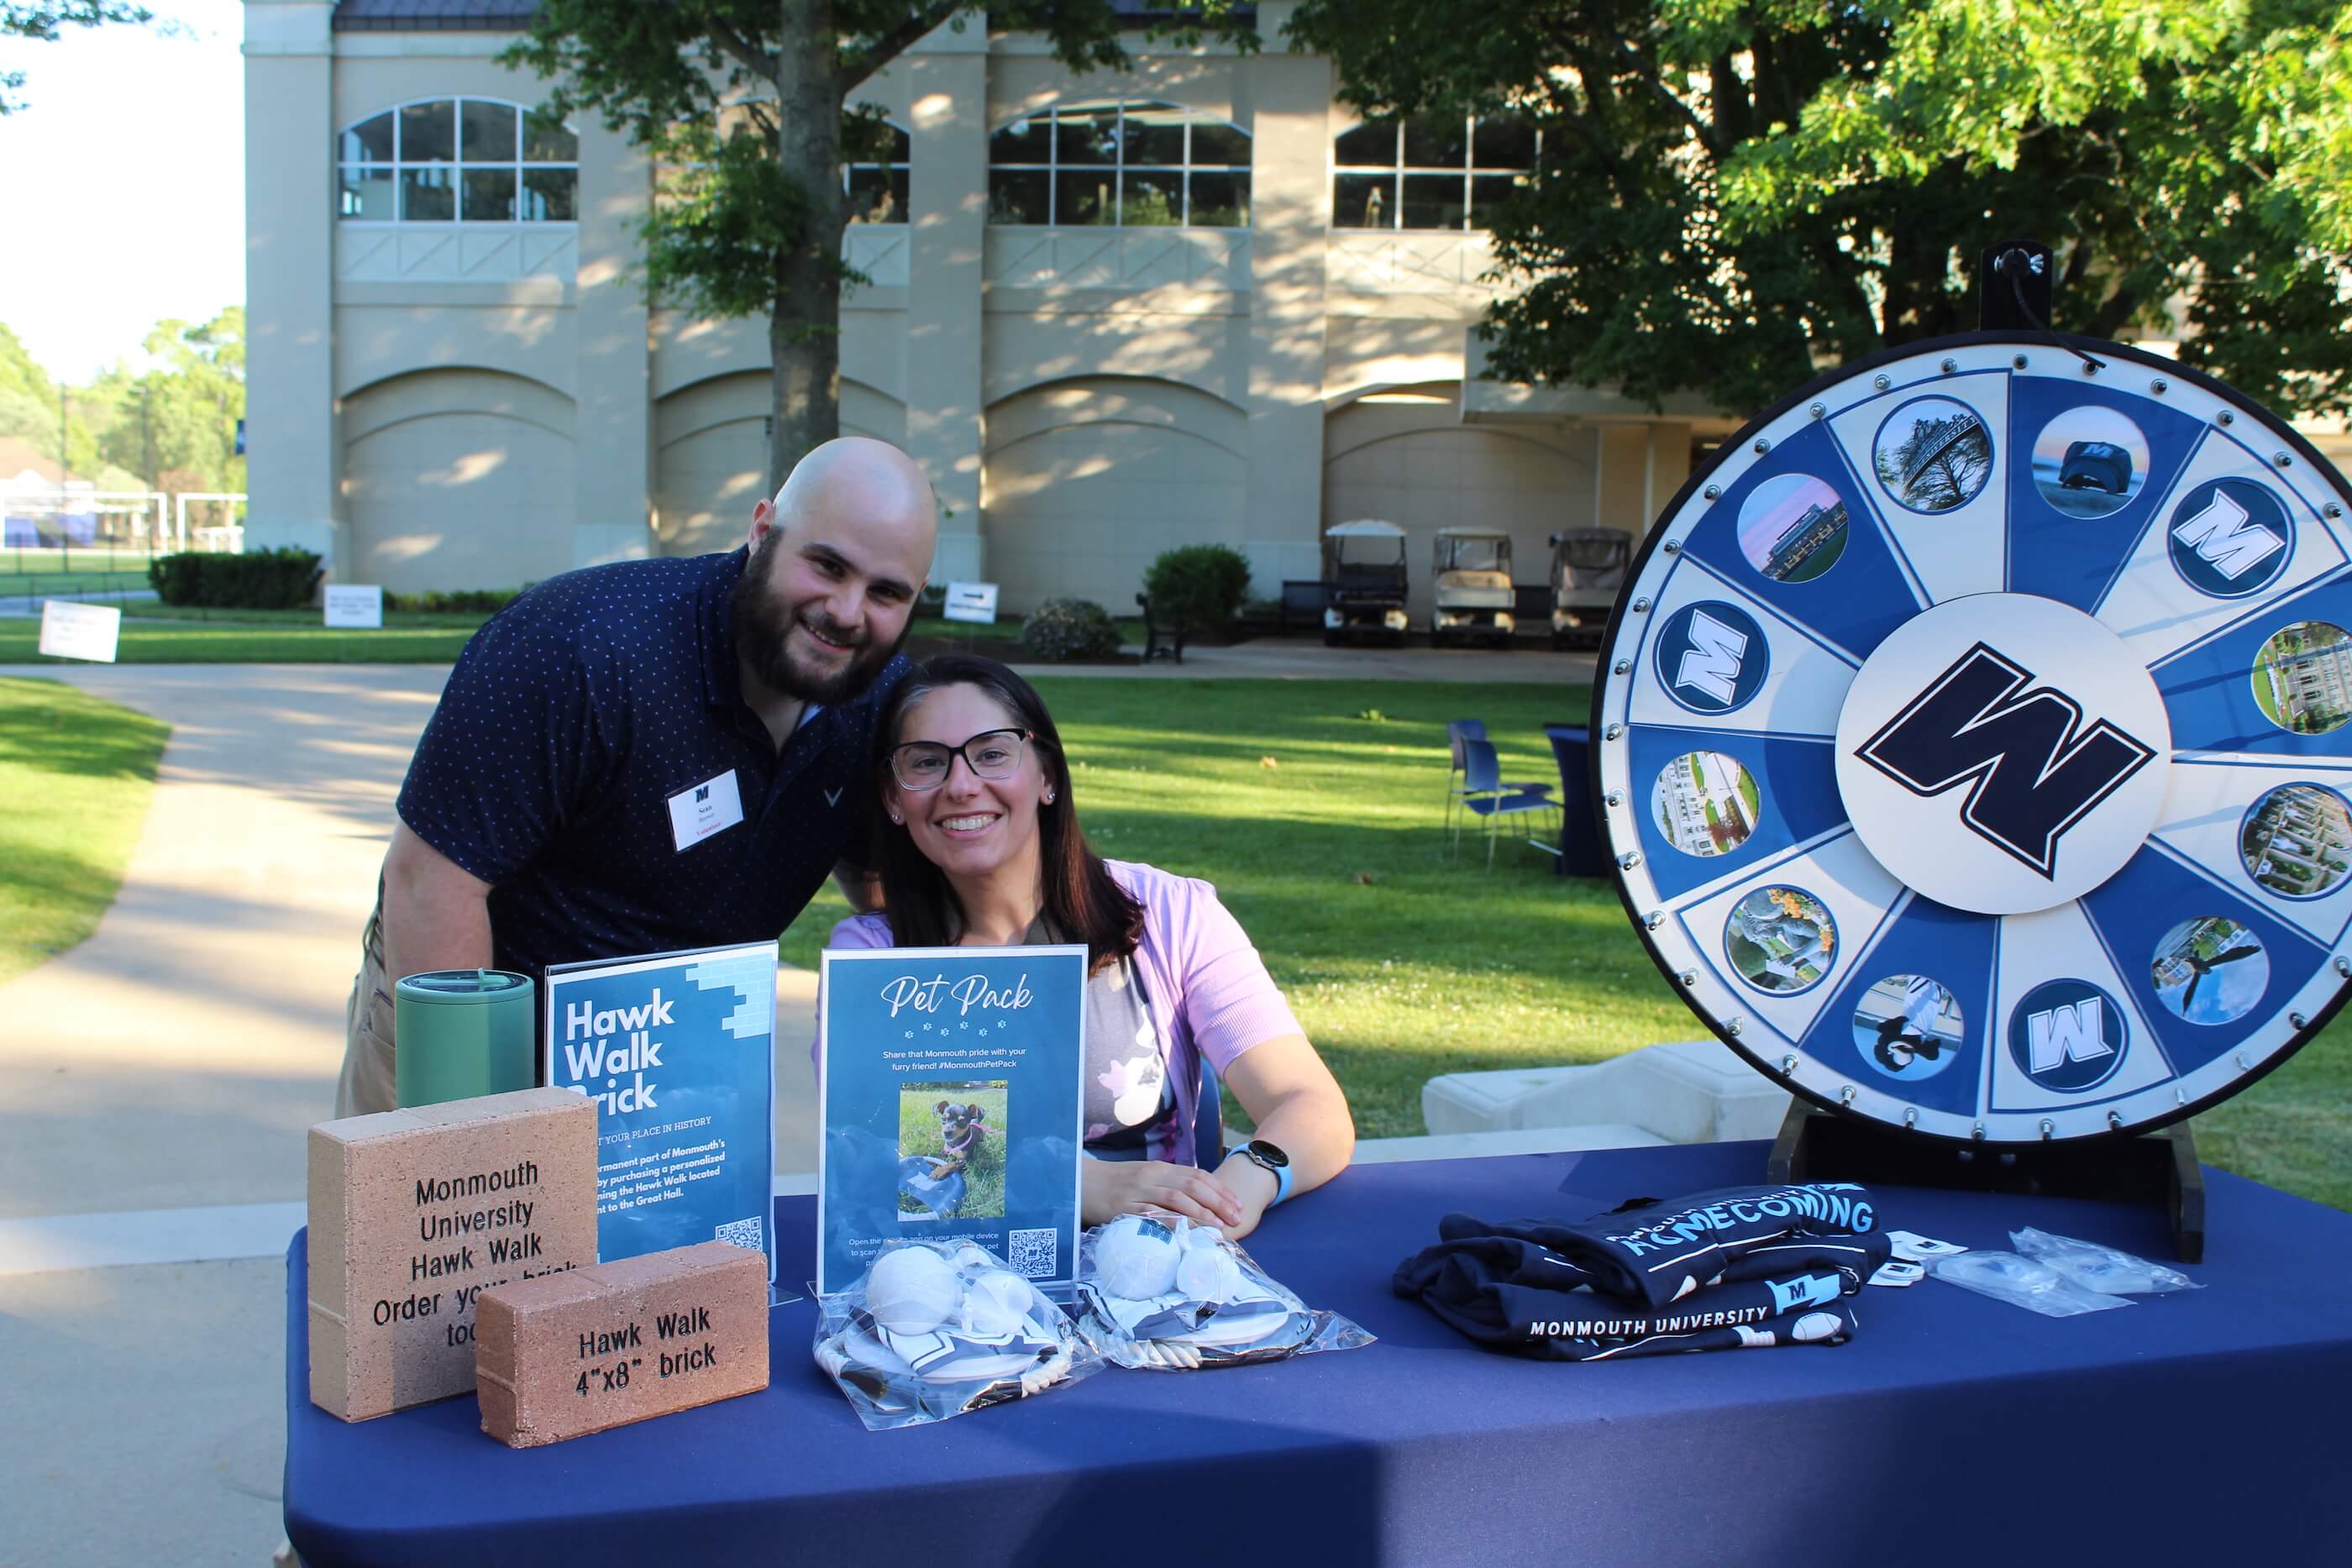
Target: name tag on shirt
(706,809)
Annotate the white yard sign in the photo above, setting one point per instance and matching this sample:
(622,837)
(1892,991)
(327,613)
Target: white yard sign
(72,631)
(355,605)
(971,601)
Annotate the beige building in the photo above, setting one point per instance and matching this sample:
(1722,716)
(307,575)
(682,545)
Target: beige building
(1195,302)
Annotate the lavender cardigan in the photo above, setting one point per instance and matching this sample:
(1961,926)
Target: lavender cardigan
(1208,989)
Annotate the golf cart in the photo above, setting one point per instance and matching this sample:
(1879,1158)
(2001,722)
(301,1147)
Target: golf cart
(1363,564)
(1472,588)
(1588,567)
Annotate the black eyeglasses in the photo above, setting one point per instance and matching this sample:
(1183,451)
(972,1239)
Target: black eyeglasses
(990,754)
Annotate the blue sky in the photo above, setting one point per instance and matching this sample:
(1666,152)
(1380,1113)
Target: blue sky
(122,186)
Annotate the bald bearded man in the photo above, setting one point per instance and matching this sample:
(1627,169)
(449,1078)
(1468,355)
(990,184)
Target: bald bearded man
(540,822)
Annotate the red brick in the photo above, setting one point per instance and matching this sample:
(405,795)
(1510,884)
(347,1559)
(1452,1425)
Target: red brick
(414,1212)
(577,1353)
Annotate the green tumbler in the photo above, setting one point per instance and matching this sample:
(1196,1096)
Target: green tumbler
(459,1033)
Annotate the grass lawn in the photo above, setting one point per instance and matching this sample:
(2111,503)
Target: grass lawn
(75,775)
(31,573)
(190,643)
(34,585)
(2293,1129)
(297,620)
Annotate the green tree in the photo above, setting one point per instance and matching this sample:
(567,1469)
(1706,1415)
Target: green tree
(744,107)
(171,426)
(176,423)
(30,408)
(1731,195)
(44,21)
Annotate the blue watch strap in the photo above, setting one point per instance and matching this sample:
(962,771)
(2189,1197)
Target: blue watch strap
(1282,1172)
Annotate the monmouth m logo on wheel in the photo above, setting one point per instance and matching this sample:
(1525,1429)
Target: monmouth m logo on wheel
(2067,1035)
(1712,657)
(2031,768)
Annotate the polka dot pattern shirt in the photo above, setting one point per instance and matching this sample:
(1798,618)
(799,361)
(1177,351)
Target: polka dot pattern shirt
(572,718)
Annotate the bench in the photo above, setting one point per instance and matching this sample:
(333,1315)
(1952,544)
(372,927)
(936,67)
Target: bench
(1153,647)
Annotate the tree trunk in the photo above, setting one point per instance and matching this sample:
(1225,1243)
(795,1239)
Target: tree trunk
(804,329)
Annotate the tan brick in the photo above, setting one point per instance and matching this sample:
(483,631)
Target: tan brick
(415,1212)
(600,1348)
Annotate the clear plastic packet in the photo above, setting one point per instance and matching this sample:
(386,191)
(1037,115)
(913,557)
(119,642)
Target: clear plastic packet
(2022,1282)
(2105,1270)
(934,1329)
(1161,1293)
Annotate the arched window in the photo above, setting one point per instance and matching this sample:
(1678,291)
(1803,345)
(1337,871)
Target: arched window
(878,192)
(1135,164)
(1429,172)
(459,160)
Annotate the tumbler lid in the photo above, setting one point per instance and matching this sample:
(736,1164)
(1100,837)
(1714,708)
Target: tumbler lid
(463,987)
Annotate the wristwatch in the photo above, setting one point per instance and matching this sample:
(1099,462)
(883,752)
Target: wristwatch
(1270,1156)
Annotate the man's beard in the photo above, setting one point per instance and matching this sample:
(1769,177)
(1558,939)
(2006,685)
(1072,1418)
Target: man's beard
(764,622)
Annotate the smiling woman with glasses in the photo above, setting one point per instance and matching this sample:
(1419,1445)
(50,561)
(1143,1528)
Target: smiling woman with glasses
(982,848)
(919,765)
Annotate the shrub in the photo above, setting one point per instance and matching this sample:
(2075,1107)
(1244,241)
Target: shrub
(1201,585)
(454,601)
(1063,629)
(258,579)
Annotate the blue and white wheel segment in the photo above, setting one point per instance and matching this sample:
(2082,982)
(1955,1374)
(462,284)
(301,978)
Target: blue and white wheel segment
(1974,740)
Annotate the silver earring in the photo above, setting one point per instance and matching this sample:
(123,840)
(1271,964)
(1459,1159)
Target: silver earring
(898,821)
(1049,797)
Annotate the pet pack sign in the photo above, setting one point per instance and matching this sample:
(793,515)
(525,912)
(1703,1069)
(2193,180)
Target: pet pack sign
(951,1083)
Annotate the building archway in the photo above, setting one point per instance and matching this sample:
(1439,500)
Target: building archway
(458,479)
(1088,481)
(710,455)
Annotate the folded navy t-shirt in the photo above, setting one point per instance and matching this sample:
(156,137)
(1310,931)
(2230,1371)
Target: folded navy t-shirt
(1517,1296)
(1658,1253)
(1585,1326)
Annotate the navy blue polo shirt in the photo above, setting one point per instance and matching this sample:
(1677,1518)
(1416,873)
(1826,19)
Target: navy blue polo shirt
(570,720)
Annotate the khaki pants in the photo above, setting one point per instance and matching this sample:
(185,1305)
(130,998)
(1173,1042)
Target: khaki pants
(367,1083)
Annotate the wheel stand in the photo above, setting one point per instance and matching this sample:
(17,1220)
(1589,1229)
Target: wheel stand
(2158,1168)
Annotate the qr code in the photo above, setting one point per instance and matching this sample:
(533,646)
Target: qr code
(1034,1253)
(741,1233)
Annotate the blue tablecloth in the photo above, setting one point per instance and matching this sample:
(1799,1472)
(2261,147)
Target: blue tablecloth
(2192,1427)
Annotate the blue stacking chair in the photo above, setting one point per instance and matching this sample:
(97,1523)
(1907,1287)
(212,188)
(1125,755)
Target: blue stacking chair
(1456,732)
(1208,1119)
(1485,794)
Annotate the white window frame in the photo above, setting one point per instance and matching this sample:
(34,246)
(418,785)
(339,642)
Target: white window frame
(907,165)
(458,167)
(1052,168)
(1399,169)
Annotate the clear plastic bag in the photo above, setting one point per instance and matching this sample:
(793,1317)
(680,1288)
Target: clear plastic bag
(2022,1282)
(2105,1270)
(1160,1293)
(923,1339)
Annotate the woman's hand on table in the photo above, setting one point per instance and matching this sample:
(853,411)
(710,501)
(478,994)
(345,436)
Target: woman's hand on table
(1109,1188)
(1254,1189)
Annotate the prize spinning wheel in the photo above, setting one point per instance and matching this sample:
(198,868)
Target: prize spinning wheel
(1974,741)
